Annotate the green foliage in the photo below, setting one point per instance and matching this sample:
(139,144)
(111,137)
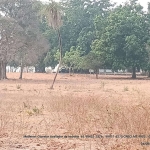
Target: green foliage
(78,25)
(123,41)
(52,58)
(72,58)
(40,65)
(91,61)
(147,66)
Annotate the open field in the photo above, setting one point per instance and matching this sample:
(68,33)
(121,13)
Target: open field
(79,105)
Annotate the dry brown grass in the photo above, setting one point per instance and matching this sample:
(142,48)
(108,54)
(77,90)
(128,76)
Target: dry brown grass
(78,105)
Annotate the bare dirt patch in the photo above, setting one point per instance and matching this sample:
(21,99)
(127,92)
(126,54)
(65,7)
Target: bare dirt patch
(76,115)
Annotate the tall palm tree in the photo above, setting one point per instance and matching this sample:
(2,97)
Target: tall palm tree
(53,15)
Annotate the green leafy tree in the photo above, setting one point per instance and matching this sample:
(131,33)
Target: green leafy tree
(123,40)
(147,68)
(72,59)
(92,61)
(78,27)
(95,59)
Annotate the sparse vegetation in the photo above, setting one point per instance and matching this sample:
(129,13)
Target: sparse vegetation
(18,86)
(85,112)
(126,88)
(5,88)
(103,84)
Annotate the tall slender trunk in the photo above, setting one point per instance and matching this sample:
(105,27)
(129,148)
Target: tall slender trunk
(21,71)
(60,59)
(134,73)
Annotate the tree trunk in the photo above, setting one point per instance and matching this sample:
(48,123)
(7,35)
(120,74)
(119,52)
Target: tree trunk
(105,71)
(4,69)
(27,69)
(149,74)
(21,71)
(60,59)
(0,70)
(133,73)
(69,71)
(96,71)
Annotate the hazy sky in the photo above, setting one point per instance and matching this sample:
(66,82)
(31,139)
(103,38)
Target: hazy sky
(142,2)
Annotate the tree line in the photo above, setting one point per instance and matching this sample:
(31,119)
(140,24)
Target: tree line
(99,34)
(95,34)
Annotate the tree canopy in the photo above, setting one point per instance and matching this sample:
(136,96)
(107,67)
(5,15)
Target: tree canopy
(124,37)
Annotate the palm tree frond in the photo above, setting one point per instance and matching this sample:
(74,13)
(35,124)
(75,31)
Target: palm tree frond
(53,15)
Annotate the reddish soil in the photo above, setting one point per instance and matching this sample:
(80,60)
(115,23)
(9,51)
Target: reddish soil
(29,107)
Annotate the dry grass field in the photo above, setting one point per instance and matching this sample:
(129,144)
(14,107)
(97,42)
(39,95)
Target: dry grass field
(80,113)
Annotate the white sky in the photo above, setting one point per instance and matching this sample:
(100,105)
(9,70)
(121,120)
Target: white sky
(142,2)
